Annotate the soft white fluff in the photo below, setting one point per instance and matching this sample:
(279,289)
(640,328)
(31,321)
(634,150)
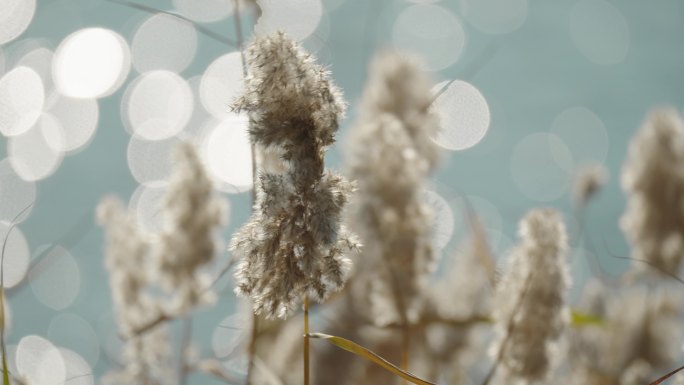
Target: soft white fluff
(529,305)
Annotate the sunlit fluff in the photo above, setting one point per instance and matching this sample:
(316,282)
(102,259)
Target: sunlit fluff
(187,243)
(126,260)
(639,340)
(390,155)
(144,357)
(146,360)
(463,294)
(293,245)
(588,181)
(530,312)
(653,180)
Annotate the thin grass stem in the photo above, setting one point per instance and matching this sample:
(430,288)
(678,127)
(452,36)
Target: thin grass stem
(203,30)
(306,340)
(509,332)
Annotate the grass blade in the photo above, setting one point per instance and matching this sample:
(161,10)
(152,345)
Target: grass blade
(370,356)
(665,377)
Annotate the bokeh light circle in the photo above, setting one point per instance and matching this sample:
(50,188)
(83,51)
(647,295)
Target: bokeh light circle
(146,204)
(74,332)
(583,132)
(495,16)
(151,162)
(2,61)
(78,371)
(164,42)
(39,60)
(463,114)
(39,362)
(599,31)
(228,154)
(107,329)
(56,279)
(12,358)
(221,84)
(157,105)
(16,194)
(37,153)
(432,31)
(317,43)
(15,17)
(443,219)
(237,364)
(542,166)
(78,118)
(297,18)
(91,63)
(22,97)
(317,46)
(229,334)
(499,244)
(199,118)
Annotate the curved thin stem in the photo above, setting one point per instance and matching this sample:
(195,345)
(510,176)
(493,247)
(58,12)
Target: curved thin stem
(665,377)
(509,331)
(205,31)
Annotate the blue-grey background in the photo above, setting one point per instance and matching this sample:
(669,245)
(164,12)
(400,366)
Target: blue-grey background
(528,76)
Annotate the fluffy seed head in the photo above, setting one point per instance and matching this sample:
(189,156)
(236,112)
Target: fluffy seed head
(126,258)
(654,182)
(187,243)
(588,181)
(390,156)
(294,244)
(529,305)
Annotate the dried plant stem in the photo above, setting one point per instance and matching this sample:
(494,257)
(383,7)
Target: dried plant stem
(592,259)
(213,368)
(405,326)
(665,377)
(254,335)
(185,344)
(206,31)
(161,318)
(405,330)
(252,348)
(475,66)
(509,331)
(306,340)
(432,319)
(405,345)
(238,33)
(5,368)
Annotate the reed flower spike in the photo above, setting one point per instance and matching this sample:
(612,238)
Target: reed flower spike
(530,309)
(293,245)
